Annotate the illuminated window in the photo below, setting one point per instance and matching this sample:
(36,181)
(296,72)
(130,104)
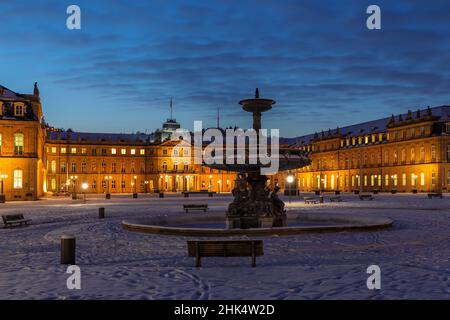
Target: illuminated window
(113,184)
(403,155)
(18,143)
(53,150)
(63,150)
(142,152)
(74,167)
(380,137)
(374,138)
(123,184)
(366,139)
(413,154)
(404,179)
(83,151)
(63,167)
(123,151)
(18,179)
(433,178)
(0,143)
(422,154)
(413,180)
(113,151)
(386,180)
(73,150)
(133,151)
(422,179)
(53,166)
(395,178)
(365,181)
(53,184)
(395,156)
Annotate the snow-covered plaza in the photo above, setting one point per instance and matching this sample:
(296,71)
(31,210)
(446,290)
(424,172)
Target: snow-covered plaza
(414,254)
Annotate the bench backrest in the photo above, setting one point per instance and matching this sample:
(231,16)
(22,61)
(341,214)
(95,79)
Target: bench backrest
(195,205)
(12,217)
(236,248)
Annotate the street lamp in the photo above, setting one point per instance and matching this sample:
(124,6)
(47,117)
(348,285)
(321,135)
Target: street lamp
(84,186)
(146,186)
(3,176)
(135,195)
(107,178)
(73,179)
(289,180)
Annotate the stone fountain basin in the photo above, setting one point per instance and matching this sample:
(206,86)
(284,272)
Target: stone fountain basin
(301,223)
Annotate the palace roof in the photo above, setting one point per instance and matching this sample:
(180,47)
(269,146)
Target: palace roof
(441,113)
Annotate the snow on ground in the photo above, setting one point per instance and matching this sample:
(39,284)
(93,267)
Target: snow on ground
(414,255)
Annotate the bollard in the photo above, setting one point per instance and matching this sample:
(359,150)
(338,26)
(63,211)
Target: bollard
(135,195)
(321,199)
(161,194)
(108,196)
(101,213)
(67,249)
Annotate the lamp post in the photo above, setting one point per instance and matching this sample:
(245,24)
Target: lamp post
(210,183)
(73,179)
(3,176)
(84,186)
(107,178)
(393,184)
(135,195)
(146,186)
(289,180)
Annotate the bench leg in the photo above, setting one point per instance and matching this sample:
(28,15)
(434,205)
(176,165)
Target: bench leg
(198,261)
(253,255)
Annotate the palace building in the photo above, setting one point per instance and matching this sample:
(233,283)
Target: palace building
(406,153)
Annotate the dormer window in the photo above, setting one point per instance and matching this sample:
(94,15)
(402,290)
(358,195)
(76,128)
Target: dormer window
(19,110)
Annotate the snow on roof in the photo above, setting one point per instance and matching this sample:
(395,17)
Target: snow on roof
(8,94)
(98,137)
(374,126)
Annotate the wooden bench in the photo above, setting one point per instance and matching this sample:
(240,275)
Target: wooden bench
(310,200)
(11,219)
(209,193)
(188,207)
(225,248)
(336,199)
(365,197)
(435,195)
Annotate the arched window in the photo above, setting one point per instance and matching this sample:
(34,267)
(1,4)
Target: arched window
(53,168)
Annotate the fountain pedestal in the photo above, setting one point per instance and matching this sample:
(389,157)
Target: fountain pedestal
(254,204)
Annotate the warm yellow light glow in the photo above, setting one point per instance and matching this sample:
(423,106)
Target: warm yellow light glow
(84,185)
(290,178)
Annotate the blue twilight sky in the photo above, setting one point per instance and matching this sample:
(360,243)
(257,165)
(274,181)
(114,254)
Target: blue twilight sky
(316,58)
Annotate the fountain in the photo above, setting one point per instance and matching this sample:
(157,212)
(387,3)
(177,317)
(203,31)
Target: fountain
(254,204)
(256,210)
